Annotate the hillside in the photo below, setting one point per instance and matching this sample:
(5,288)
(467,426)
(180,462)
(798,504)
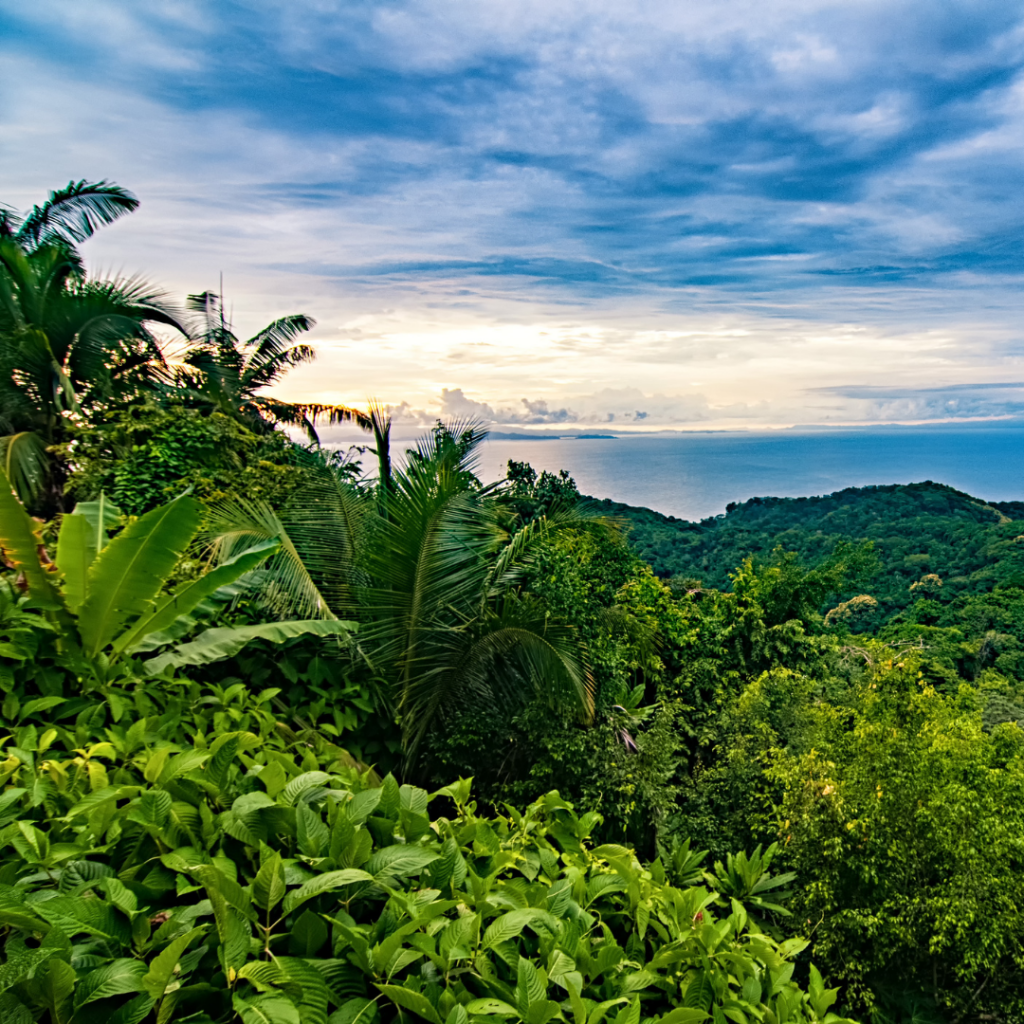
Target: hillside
(917,530)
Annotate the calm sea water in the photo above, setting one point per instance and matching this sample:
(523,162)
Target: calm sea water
(698,475)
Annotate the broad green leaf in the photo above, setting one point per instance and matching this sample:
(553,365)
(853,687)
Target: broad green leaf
(508,926)
(312,833)
(324,883)
(22,964)
(401,860)
(299,785)
(355,1011)
(130,571)
(161,967)
(266,1009)
(491,1006)
(102,515)
(15,914)
(314,998)
(268,887)
(225,642)
(20,547)
(39,704)
(132,1012)
(308,934)
(114,979)
(76,549)
(530,986)
(415,1002)
(187,596)
(700,992)
(684,1015)
(55,984)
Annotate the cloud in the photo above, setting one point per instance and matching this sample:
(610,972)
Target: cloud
(402,168)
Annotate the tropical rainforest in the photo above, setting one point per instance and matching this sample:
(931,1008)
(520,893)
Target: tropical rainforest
(290,734)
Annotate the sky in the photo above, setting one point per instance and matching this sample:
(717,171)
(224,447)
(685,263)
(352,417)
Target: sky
(644,216)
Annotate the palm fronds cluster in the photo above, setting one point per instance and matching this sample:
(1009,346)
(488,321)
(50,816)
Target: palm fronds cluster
(72,345)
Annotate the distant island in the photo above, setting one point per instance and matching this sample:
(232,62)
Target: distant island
(498,435)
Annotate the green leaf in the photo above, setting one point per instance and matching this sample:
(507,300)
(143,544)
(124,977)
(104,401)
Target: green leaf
(55,985)
(324,883)
(684,1015)
(187,596)
(268,887)
(401,860)
(119,977)
(299,785)
(700,992)
(39,704)
(508,926)
(415,1002)
(130,571)
(312,833)
(20,547)
(101,515)
(225,642)
(491,1006)
(132,1012)
(355,1011)
(308,934)
(94,916)
(76,549)
(267,1009)
(161,968)
(314,998)
(530,986)
(22,964)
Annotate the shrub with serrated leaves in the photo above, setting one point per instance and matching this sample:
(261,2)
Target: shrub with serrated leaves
(257,875)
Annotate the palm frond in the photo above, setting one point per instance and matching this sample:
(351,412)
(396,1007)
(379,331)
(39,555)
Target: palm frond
(73,213)
(380,427)
(276,337)
(253,377)
(286,585)
(26,464)
(516,557)
(512,654)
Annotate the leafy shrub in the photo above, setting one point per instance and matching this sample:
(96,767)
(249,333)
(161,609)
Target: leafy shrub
(903,818)
(144,455)
(251,873)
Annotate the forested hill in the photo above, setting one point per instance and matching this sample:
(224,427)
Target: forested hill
(918,530)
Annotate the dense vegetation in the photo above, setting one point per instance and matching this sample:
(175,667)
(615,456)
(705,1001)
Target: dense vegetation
(287,740)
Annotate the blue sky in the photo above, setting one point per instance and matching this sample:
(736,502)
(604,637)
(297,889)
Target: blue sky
(653,215)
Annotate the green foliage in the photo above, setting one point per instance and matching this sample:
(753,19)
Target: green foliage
(432,567)
(145,454)
(917,530)
(67,342)
(903,817)
(218,868)
(106,599)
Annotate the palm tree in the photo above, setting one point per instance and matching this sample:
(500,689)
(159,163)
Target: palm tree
(68,345)
(431,566)
(222,374)
(69,215)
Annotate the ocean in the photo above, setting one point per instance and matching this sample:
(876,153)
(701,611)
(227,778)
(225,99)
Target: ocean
(696,475)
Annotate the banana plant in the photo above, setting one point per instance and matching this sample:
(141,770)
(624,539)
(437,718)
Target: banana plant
(107,596)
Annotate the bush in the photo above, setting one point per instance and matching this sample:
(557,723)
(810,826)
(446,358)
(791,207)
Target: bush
(144,455)
(197,860)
